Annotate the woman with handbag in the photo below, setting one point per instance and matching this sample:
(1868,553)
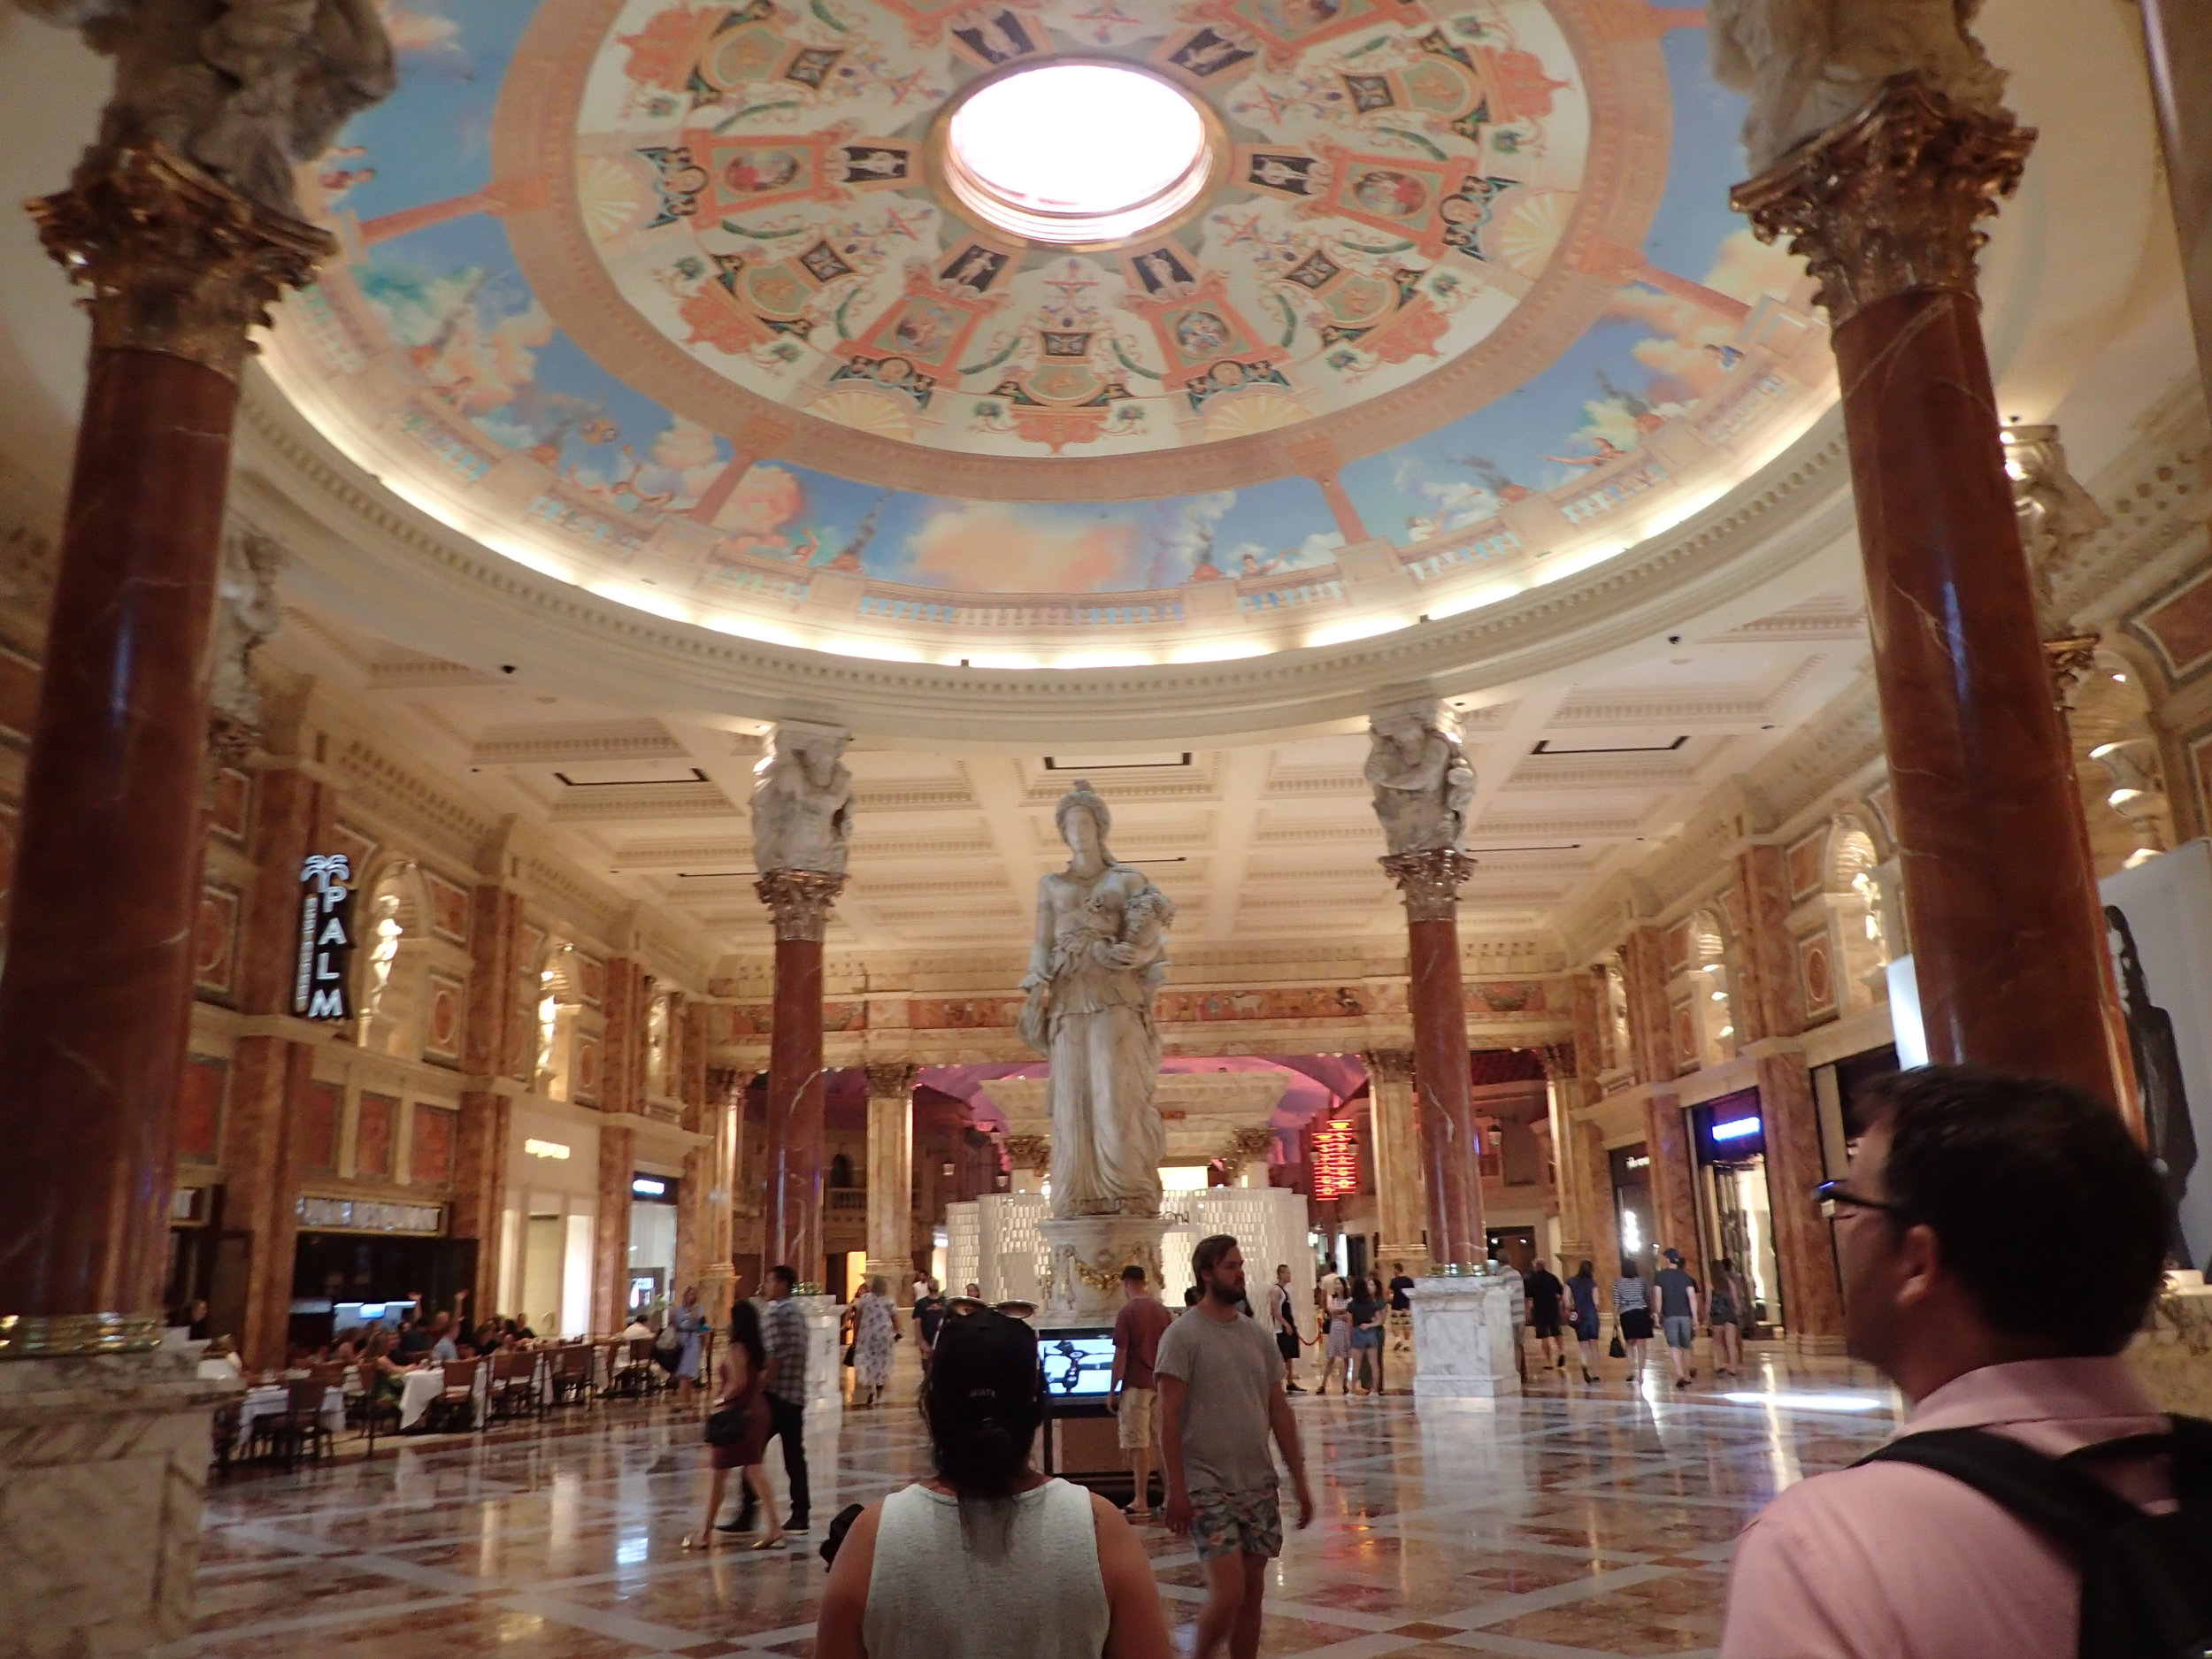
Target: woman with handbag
(1582,1290)
(687,1324)
(738,1428)
(1632,1313)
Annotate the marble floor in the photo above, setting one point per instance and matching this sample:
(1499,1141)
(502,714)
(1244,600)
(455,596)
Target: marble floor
(1571,1521)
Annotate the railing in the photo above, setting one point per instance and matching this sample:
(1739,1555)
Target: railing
(1148,610)
(846,1201)
(1474,551)
(1614,491)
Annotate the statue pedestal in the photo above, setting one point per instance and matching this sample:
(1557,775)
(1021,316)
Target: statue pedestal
(1463,1338)
(1084,1256)
(825,1353)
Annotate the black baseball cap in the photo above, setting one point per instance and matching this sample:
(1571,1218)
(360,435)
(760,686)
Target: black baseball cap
(982,1359)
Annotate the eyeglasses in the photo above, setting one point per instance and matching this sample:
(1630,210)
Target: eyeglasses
(1834,1195)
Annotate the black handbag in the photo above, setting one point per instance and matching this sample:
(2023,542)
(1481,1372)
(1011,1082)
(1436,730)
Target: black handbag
(1617,1350)
(725,1424)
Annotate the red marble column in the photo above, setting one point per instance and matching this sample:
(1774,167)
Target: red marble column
(800,902)
(1437,1002)
(96,995)
(2006,940)
(611,1232)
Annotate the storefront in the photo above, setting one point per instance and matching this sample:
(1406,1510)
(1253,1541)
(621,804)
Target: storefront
(1631,1206)
(1735,1214)
(353,1253)
(653,1201)
(551,1210)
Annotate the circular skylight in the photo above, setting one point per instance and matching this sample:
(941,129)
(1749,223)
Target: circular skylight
(1077,153)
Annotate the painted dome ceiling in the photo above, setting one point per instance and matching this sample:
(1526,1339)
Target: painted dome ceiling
(680,301)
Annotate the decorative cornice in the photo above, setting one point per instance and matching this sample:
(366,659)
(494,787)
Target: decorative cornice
(177,261)
(1430,880)
(1889,200)
(799,900)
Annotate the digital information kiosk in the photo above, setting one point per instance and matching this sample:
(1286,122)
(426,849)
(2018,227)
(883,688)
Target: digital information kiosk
(1081,1440)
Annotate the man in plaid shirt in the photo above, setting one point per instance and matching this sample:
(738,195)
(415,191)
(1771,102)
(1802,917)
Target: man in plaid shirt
(783,1333)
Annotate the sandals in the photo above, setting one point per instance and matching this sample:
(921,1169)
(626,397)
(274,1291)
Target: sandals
(775,1541)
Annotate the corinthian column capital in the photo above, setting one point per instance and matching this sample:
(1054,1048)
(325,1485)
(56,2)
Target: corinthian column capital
(799,900)
(1890,199)
(178,262)
(890,1079)
(1430,880)
(1388,1065)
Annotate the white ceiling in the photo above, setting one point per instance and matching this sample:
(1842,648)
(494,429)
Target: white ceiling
(1264,842)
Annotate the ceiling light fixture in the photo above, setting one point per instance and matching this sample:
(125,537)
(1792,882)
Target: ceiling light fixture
(1076,153)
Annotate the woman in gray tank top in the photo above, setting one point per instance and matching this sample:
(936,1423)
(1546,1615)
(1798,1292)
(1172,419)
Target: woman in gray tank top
(989,1560)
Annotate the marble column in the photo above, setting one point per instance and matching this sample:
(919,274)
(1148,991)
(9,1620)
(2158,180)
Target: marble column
(1770,1015)
(799,900)
(1438,1000)
(1566,1089)
(1244,1160)
(100,930)
(891,1171)
(1400,1199)
(103,1442)
(610,1229)
(1885,207)
(496,1055)
(2180,47)
(273,1063)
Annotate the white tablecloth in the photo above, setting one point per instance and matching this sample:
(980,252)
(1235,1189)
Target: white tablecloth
(270,1402)
(418,1389)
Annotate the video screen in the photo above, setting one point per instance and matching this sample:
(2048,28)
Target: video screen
(1077,1364)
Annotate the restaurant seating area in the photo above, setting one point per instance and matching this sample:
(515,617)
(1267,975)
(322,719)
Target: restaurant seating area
(329,1412)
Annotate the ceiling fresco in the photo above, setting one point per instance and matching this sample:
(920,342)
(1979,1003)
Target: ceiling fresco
(672,296)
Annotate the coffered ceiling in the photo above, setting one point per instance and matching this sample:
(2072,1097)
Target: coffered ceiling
(1265,842)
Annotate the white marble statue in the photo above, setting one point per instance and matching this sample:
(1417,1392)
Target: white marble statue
(1422,781)
(247,89)
(1808,63)
(1099,957)
(247,615)
(802,796)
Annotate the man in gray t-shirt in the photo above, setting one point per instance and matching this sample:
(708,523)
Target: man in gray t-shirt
(1221,1395)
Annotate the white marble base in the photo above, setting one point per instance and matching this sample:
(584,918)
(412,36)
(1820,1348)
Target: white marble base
(825,1353)
(1463,1338)
(102,1461)
(2174,1356)
(1084,1256)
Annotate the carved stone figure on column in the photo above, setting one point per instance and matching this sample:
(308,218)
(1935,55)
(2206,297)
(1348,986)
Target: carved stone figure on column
(1422,781)
(244,89)
(802,801)
(1808,65)
(247,615)
(1098,958)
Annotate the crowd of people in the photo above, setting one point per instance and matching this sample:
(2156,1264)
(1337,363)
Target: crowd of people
(1954,1541)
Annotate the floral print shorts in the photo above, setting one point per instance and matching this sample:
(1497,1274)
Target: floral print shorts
(1223,1523)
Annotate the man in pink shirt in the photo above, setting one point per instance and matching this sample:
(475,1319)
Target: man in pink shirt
(1945,1234)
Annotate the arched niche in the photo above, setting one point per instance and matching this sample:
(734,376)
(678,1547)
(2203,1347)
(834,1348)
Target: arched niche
(393,960)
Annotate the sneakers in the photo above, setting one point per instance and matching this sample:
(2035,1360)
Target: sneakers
(797,1524)
(738,1526)
(1291,1388)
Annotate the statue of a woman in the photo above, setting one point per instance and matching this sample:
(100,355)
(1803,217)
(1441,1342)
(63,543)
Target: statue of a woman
(1099,955)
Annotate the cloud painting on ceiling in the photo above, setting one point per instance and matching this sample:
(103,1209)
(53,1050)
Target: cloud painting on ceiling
(665,292)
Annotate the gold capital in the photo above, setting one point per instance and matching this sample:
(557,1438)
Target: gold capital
(1029,1152)
(1890,200)
(177,261)
(1430,880)
(799,900)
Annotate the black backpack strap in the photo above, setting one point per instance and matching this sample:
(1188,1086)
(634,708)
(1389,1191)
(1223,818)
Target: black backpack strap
(2050,1494)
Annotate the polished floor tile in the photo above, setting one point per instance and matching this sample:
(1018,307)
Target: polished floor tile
(1571,1523)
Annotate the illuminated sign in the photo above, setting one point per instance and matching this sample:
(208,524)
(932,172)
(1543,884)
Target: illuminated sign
(545,1148)
(1640,1162)
(1736,1129)
(319,980)
(1335,1160)
(646,1187)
